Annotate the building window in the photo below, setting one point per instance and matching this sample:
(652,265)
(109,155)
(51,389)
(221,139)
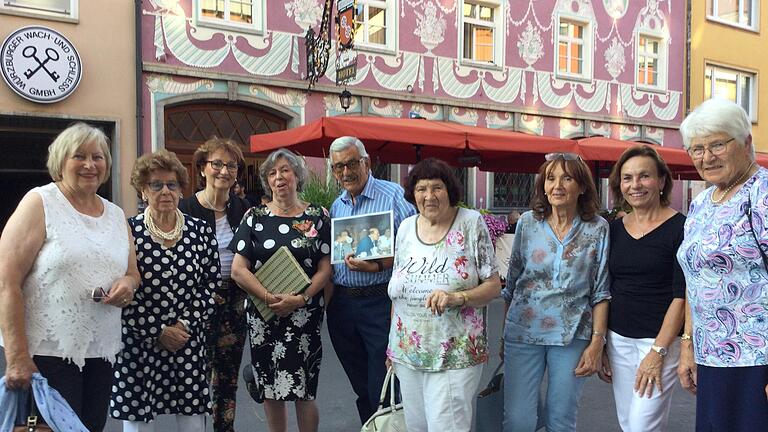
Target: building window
(651,62)
(512,190)
(742,13)
(735,85)
(574,45)
(374,24)
(55,8)
(246,14)
(481,22)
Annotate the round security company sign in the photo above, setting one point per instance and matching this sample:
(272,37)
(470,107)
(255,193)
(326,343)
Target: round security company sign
(40,64)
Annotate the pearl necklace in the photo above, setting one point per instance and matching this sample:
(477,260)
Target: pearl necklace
(728,189)
(211,206)
(156,232)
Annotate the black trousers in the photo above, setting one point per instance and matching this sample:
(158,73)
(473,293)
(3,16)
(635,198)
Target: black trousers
(731,399)
(86,391)
(359,330)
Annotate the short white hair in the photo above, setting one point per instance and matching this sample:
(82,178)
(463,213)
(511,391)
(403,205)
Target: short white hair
(345,142)
(295,162)
(71,139)
(716,116)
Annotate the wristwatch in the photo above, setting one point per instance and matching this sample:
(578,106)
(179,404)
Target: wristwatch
(306,298)
(660,350)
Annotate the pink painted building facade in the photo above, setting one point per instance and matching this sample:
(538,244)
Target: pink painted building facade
(563,68)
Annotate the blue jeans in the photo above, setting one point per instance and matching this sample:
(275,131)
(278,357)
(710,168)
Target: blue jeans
(524,367)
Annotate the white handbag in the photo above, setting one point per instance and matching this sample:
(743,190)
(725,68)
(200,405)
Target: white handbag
(391,418)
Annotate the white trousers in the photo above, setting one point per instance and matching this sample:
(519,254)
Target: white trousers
(639,413)
(439,401)
(186,423)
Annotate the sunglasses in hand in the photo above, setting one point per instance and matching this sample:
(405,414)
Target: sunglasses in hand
(98,294)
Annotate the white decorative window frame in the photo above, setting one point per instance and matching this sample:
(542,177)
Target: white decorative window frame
(588,45)
(258,12)
(16,7)
(712,14)
(662,64)
(391,28)
(753,102)
(498,33)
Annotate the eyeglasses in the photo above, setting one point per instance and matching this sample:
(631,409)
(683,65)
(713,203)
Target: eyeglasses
(157,186)
(549,157)
(218,165)
(98,294)
(352,165)
(716,148)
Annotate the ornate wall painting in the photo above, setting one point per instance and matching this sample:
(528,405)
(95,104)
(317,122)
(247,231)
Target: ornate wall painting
(531,124)
(571,128)
(499,120)
(385,108)
(630,132)
(595,128)
(429,111)
(465,116)
(305,13)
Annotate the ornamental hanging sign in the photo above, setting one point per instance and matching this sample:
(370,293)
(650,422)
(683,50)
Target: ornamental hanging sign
(346,56)
(40,64)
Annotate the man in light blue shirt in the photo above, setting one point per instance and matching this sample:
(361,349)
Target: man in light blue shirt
(359,311)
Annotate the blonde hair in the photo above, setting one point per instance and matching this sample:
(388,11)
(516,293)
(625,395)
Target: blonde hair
(71,139)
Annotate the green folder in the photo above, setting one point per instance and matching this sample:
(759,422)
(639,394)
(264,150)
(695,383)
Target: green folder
(281,274)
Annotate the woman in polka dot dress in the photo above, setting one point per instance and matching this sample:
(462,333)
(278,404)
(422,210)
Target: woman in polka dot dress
(162,368)
(286,351)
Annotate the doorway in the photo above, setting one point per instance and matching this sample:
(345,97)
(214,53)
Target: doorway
(189,125)
(24,144)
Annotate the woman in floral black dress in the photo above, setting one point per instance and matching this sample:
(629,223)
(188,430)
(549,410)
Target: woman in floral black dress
(286,350)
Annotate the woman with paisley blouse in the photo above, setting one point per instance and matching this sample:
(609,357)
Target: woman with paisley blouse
(444,274)
(286,350)
(723,358)
(556,292)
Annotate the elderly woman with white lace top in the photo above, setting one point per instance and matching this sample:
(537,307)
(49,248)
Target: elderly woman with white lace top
(62,245)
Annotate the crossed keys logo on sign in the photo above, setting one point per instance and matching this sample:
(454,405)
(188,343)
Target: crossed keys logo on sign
(50,54)
(40,64)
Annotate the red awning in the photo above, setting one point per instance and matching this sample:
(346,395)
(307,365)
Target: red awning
(397,140)
(406,141)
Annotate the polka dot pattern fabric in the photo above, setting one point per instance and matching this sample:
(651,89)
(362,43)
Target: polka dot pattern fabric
(177,284)
(286,352)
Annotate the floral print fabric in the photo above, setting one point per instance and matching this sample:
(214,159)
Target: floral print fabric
(286,352)
(553,285)
(461,261)
(725,276)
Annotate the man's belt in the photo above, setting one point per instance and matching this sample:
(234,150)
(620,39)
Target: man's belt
(367,291)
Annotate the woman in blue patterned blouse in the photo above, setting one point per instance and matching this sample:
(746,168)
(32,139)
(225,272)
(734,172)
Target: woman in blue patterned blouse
(556,293)
(723,357)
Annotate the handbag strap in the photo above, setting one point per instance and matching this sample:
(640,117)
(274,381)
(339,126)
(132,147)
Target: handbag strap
(33,419)
(748,211)
(387,380)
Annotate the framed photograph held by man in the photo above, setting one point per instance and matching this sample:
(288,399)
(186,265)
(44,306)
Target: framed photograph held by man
(367,236)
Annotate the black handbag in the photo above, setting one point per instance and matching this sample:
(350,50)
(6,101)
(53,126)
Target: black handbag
(28,418)
(253,384)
